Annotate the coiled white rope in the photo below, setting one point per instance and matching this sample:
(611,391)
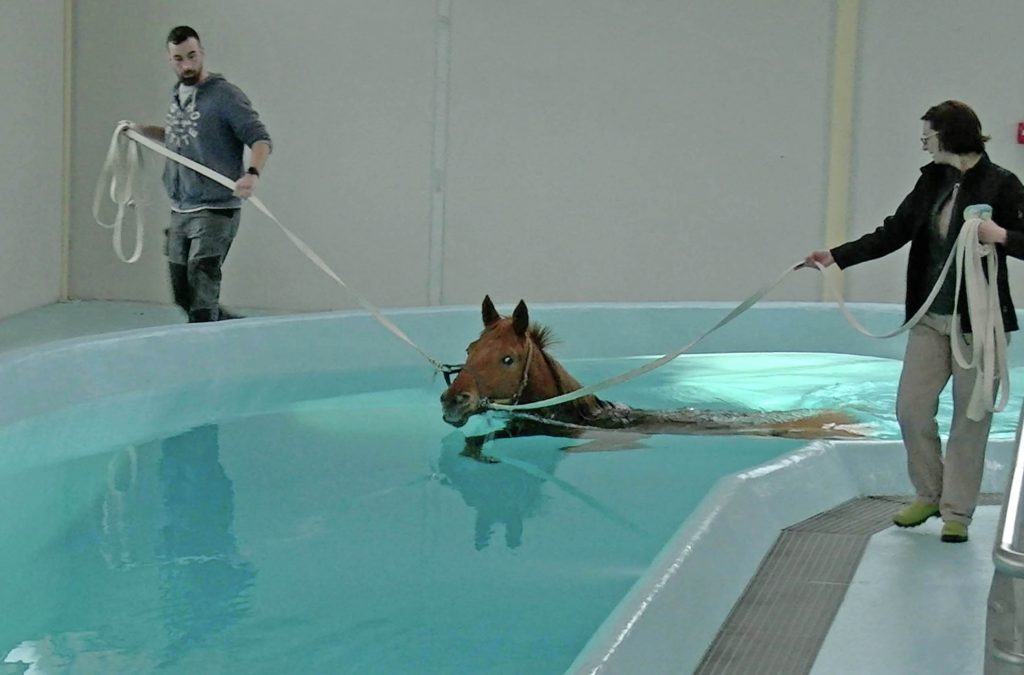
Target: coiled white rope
(121,167)
(123,162)
(988,342)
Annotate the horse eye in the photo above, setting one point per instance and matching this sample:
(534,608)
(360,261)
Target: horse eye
(508,360)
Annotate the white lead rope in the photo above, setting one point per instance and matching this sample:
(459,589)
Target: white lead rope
(657,363)
(988,343)
(123,161)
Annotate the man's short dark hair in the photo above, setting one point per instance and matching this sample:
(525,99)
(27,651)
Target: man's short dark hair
(179,34)
(958,126)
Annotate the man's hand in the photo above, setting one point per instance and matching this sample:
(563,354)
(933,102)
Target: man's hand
(823,257)
(245,185)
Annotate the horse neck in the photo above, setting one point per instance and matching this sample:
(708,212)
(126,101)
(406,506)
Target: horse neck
(549,378)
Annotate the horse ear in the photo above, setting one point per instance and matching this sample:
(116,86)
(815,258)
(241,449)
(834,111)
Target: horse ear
(521,319)
(490,315)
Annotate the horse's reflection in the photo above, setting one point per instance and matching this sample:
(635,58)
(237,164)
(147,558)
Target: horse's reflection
(501,494)
(203,579)
(509,490)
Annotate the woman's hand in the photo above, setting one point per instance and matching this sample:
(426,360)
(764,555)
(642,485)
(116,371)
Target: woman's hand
(990,233)
(824,258)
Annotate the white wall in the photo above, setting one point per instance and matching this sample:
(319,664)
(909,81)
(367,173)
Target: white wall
(596,149)
(616,150)
(32,110)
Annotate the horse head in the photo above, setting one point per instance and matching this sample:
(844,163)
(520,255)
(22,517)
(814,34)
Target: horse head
(500,365)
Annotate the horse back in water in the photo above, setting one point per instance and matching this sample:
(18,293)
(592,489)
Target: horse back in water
(509,364)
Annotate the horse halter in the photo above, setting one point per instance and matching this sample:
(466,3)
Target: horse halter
(526,372)
(450,371)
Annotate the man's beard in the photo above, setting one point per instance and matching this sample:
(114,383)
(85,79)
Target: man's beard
(189,80)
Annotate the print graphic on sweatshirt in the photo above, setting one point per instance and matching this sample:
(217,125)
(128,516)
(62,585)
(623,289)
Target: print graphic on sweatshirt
(182,123)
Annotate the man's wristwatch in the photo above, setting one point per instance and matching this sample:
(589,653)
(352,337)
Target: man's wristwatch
(254,171)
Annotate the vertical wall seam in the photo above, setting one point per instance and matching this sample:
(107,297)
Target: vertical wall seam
(439,152)
(840,155)
(65,199)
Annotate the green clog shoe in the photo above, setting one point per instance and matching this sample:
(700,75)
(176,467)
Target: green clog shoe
(954,532)
(915,514)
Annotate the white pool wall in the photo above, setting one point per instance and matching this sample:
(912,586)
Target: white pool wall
(43,378)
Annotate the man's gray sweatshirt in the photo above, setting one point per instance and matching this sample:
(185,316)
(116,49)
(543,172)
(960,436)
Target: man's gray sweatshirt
(212,127)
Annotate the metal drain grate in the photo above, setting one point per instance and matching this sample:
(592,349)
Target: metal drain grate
(780,622)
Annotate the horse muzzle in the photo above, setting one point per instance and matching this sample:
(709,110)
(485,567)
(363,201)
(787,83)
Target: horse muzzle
(456,409)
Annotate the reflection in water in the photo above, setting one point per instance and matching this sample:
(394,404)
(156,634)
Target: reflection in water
(166,506)
(203,579)
(116,509)
(501,494)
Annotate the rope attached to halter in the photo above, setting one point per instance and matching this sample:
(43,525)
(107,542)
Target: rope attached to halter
(124,160)
(657,363)
(988,334)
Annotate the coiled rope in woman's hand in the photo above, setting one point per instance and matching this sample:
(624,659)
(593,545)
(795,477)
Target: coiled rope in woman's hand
(988,344)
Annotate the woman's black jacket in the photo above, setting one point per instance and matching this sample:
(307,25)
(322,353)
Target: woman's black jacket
(984,183)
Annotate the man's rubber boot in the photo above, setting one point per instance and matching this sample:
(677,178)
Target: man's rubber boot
(226,315)
(202,315)
(179,286)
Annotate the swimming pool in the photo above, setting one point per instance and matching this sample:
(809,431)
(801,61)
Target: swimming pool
(195,512)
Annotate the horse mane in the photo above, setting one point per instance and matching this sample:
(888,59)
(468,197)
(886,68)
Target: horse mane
(542,336)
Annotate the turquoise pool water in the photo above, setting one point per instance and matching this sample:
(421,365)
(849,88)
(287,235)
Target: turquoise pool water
(332,526)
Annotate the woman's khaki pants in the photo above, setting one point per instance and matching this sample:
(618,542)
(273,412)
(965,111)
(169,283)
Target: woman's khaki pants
(952,482)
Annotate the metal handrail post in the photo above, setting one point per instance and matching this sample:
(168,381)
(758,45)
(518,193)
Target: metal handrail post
(1004,628)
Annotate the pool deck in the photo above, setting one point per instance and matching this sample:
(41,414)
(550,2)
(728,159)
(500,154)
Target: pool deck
(914,604)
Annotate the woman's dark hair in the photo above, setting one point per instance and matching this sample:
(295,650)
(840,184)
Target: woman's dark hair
(958,126)
(179,34)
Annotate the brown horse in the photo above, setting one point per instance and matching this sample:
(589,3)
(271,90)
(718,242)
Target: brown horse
(509,364)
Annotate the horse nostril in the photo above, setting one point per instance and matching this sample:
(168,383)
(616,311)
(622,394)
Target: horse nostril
(449,398)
